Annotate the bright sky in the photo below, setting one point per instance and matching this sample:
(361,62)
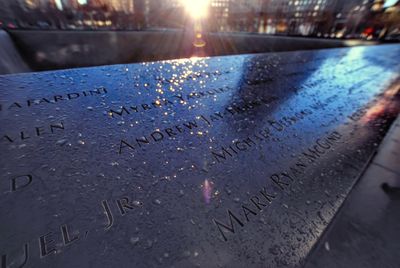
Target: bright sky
(196,8)
(59,4)
(389,3)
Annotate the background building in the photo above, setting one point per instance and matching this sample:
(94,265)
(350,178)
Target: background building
(319,18)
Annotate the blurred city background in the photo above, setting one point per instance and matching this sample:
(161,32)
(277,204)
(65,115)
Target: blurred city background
(39,35)
(361,19)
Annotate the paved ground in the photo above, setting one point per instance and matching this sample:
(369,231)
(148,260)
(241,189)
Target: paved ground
(366,232)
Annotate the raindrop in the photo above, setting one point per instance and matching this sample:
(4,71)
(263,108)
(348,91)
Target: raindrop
(134,240)
(327,246)
(149,244)
(275,250)
(137,203)
(81,142)
(61,142)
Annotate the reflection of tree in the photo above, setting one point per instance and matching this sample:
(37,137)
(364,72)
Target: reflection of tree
(267,77)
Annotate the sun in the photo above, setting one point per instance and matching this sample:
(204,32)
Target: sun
(197,9)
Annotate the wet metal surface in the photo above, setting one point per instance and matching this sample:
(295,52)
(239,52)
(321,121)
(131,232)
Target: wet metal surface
(211,162)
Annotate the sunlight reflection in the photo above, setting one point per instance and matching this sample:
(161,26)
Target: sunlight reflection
(384,105)
(173,74)
(207,189)
(196,8)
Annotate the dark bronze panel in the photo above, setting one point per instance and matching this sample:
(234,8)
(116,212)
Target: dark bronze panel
(237,161)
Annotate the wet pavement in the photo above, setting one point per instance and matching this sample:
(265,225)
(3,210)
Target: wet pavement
(366,231)
(211,162)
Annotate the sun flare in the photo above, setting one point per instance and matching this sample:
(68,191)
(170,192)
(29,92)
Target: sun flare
(197,9)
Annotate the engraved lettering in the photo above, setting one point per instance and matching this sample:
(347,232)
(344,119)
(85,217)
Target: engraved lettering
(230,227)
(16,183)
(66,237)
(109,216)
(25,258)
(45,242)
